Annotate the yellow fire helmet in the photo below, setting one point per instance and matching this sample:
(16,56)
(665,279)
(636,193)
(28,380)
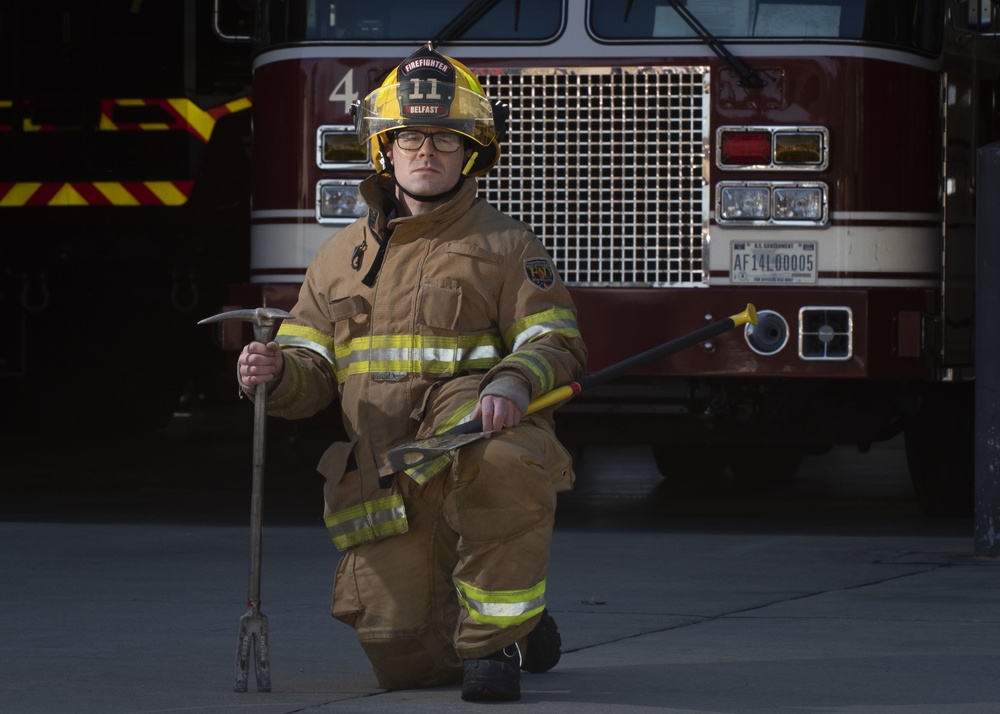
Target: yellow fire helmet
(429,89)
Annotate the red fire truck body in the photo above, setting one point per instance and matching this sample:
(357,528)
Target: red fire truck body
(124,205)
(680,160)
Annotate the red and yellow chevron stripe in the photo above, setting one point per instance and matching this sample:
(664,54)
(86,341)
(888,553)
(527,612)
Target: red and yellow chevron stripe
(95,193)
(184,115)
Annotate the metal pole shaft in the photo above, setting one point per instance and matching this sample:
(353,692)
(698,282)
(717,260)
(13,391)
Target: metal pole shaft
(257,494)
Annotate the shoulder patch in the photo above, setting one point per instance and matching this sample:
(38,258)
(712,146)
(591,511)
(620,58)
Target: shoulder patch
(540,273)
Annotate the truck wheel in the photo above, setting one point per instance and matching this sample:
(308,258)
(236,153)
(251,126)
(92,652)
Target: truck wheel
(940,448)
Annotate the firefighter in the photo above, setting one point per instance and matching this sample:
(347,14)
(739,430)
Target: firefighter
(434,309)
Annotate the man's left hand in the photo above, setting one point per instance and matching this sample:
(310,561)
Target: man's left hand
(498,413)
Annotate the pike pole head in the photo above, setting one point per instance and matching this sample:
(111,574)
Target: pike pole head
(264,319)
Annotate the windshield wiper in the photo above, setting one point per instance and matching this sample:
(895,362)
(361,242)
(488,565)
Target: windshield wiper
(748,77)
(469,16)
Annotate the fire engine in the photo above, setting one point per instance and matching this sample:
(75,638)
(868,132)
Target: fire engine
(679,159)
(124,203)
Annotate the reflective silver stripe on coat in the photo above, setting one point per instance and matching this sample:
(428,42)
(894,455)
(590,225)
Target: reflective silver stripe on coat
(296,341)
(567,325)
(413,359)
(367,522)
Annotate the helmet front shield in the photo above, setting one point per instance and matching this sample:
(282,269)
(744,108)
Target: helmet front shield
(417,103)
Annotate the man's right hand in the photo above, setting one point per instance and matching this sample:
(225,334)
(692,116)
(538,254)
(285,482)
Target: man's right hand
(260,363)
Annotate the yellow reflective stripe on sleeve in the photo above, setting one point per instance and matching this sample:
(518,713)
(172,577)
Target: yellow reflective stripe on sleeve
(312,340)
(539,366)
(558,321)
(277,406)
(367,522)
(503,608)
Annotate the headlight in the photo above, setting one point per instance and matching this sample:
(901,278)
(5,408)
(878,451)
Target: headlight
(339,200)
(772,203)
(798,204)
(740,203)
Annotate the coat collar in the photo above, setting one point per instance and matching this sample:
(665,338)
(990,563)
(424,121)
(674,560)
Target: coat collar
(378,191)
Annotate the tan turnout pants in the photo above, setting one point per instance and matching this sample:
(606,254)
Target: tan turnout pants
(486,522)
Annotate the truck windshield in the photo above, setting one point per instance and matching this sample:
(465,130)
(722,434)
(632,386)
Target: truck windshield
(910,24)
(406,21)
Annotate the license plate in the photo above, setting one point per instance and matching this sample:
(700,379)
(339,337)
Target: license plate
(773,262)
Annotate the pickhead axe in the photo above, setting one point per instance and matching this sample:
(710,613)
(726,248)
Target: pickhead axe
(253,625)
(421,451)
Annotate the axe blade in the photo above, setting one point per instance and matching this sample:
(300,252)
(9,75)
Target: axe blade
(423,450)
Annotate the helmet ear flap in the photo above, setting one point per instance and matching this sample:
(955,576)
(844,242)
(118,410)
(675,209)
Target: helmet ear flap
(355,112)
(501,113)
(380,158)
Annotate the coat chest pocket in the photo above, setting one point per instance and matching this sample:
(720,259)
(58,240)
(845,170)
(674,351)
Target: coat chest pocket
(440,306)
(442,301)
(349,317)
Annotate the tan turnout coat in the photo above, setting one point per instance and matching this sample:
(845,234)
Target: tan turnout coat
(465,296)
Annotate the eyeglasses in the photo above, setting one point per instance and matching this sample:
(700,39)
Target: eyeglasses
(446,142)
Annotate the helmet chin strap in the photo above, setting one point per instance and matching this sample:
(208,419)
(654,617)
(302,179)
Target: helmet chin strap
(389,169)
(429,199)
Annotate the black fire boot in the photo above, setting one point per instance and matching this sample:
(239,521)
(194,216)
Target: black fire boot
(496,678)
(543,648)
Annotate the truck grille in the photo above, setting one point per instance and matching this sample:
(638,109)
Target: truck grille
(606,164)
